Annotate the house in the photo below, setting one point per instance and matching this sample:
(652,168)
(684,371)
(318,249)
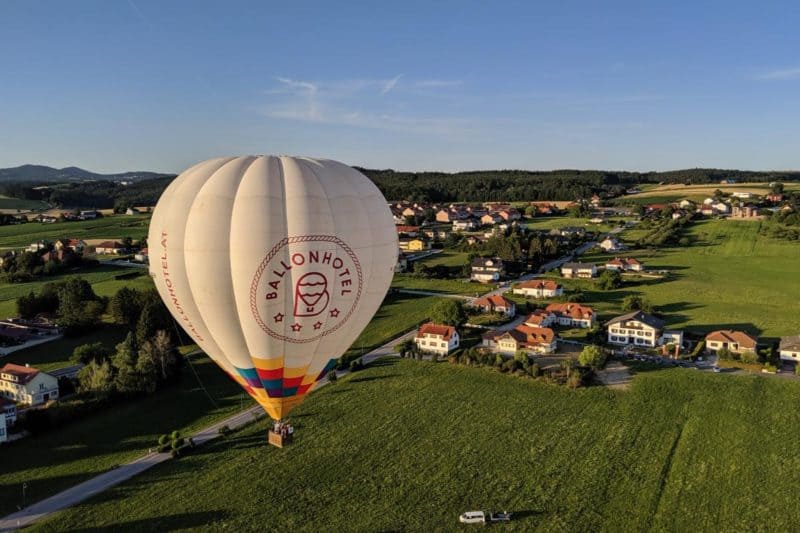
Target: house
(444,215)
(110,247)
(540,318)
(38,245)
(775,198)
(436,338)
(579,270)
(539,288)
(570,231)
(686,204)
(789,348)
(721,207)
(610,244)
(596,200)
(142,256)
(465,224)
(410,231)
(26,385)
(131,211)
(495,303)
(8,411)
(88,215)
(731,340)
(413,245)
(742,195)
(533,340)
(509,214)
(487,269)
(624,264)
(436,233)
(636,328)
(57,255)
(747,211)
(490,219)
(572,315)
(47,219)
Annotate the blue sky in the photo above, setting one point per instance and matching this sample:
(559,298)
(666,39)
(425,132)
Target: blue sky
(114,85)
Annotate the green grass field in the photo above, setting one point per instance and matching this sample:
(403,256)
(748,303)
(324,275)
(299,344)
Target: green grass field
(7,202)
(109,227)
(730,277)
(409,445)
(88,447)
(447,257)
(548,223)
(56,354)
(445,286)
(101,277)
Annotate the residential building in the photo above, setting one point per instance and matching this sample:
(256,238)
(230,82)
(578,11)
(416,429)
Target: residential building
(624,264)
(465,224)
(37,246)
(413,245)
(409,231)
(746,211)
(487,269)
(533,340)
(570,231)
(495,303)
(610,244)
(742,195)
(8,411)
(789,348)
(579,270)
(142,256)
(110,247)
(775,198)
(131,211)
(437,338)
(539,288)
(636,328)
(572,314)
(490,219)
(509,214)
(734,341)
(540,319)
(26,385)
(436,233)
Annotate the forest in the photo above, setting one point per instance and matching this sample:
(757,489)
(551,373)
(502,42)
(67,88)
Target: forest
(470,186)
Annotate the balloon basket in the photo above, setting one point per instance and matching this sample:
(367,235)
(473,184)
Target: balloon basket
(278,440)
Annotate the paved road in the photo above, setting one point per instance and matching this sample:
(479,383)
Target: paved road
(432,293)
(97,484)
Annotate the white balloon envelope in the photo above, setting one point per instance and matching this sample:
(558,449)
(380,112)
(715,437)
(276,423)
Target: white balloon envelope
(273,265)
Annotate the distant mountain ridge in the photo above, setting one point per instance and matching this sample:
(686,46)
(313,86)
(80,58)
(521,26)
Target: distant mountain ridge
(42,173)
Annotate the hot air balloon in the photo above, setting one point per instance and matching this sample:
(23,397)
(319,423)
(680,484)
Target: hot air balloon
(273,265)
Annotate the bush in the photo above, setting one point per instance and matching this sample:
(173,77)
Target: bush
(749,358)
(177,443)
(332,377)
(769,367)
(355,365)
(534,370)
(164,439)
(174,435)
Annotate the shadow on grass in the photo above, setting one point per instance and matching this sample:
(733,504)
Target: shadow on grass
(383,361)
(373,378)
(163,523)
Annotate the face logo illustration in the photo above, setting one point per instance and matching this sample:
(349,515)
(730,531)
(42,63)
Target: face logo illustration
(311,294)
(306,287)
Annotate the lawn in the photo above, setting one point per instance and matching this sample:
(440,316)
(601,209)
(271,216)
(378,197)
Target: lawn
(7,202)
(109,227)
(730,277)
(548,223)
(56,354)
(69,455)
(409,445)
(9,292)
(398,314)
(445,286)
(448,258)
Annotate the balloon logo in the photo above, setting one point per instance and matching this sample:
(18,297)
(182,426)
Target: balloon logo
(273,265)
(311,294)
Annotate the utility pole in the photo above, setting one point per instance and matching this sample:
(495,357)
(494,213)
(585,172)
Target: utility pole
(24,489)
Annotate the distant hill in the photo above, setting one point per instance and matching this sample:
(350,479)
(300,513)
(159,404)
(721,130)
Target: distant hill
(41,174)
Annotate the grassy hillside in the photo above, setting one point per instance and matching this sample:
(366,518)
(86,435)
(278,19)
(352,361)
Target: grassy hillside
(730,277)
(410,445)
(110,227)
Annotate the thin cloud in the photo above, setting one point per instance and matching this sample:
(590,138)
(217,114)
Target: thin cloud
(433,84)
(780,74)
(389,85)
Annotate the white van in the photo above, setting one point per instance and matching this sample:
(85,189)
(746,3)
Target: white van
(473,517)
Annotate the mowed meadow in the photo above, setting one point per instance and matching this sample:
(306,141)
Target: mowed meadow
(408,445)
(729,277)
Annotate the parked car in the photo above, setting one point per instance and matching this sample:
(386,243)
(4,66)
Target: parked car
(482,517)
(717,369)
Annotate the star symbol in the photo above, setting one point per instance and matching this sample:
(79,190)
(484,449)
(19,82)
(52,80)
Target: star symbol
(278,317)
(317,325)
(334,312)
(296,327)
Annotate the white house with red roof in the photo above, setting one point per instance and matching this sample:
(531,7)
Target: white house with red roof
(437,338)
(26,385)
(495,303)
(533,340)
(539,288)
(731,340)
(624,264)
(573,315)
(110,247)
